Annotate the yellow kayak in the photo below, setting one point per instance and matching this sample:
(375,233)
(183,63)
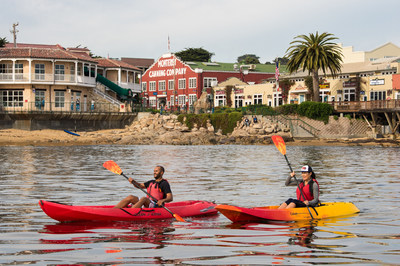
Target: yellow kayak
(325,210)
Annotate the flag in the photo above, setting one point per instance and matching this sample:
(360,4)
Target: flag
(277,71)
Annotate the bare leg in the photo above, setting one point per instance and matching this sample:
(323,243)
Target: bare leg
(125,202)
(283,206)
(142,202)
(291,205)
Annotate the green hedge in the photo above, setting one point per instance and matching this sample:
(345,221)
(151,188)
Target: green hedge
(224,121)
(315,110)
(258,109)
(287,109)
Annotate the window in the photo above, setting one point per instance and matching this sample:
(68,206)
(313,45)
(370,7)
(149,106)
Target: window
(238,101)
(209,82)
(79,71)
(153,102)
(152,86)
(192,83)
(39,71)
(72,73)
(192,98)
(377,95)
(59,72)
(344,76)
(39,98)
(182,84)
(59,98)
(144,86)
(161,85)
(349,94)
(12,98)
(171,84)
(19,71)
(5,71)
(220,100)
(257,99)
(181,100)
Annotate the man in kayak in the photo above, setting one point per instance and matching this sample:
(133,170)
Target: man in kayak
(309,194)
(159,188)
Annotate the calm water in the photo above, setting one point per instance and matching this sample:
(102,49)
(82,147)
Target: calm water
(239,175)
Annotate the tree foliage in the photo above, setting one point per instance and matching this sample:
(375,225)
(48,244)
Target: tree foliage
(312,53)
(3,42)
(195,54)
(281,60)
(248,59)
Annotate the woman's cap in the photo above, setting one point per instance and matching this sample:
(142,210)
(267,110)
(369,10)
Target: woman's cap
(306,168)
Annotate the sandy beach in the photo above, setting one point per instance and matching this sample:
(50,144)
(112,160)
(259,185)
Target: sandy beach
(47,137)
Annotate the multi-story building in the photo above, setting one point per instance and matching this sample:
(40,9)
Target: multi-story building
(52,78)
(172,83)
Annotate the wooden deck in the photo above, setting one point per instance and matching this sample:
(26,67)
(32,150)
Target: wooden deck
(367,106)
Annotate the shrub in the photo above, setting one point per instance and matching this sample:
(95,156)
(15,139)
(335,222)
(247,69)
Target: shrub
(287,109)
(224,121)
(258,109)
(315,110)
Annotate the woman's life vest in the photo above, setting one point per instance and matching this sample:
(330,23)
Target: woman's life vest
(307,190)
(155,190)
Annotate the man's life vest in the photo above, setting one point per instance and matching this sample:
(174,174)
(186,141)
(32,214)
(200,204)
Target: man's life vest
(155,190)
(307,190)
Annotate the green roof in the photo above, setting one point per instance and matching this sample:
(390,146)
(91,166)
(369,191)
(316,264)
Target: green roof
(218,66)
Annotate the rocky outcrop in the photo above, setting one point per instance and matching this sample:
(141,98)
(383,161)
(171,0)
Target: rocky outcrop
(166,129)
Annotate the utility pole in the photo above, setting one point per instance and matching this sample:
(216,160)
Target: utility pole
(14,32)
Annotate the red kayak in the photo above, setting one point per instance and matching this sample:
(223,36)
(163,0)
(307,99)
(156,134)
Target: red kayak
(68,213)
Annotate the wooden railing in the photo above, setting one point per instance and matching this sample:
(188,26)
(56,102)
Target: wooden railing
(370,106)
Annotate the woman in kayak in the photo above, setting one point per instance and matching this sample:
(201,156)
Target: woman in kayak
(159,188)
(309,194)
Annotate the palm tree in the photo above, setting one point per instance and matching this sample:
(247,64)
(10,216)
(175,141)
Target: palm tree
(3,41)
(312,53)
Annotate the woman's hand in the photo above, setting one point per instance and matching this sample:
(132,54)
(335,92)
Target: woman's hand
(306,202)
(292,174)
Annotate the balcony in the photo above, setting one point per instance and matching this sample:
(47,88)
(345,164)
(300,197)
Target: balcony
(39,78)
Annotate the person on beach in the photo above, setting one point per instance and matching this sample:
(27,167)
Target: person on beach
(309,194)
(247,121)
(159,188)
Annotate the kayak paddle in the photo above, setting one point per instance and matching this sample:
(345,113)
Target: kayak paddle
(280,144)
(113,167)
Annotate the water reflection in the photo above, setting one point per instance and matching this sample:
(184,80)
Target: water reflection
(240,175)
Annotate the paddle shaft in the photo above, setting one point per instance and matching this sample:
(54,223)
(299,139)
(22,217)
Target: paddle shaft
(144,191)
(301,191)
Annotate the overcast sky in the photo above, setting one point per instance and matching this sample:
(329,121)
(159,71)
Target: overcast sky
(227,28)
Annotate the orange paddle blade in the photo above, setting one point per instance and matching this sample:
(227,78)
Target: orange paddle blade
(113,167)
(178,218)
(279,143)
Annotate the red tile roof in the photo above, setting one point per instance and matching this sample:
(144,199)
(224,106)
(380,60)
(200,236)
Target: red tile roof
(55,52)
(139,62)
(29,45)
(106,62)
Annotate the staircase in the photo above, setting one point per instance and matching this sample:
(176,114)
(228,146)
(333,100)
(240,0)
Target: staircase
(99,91)
(298,127)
